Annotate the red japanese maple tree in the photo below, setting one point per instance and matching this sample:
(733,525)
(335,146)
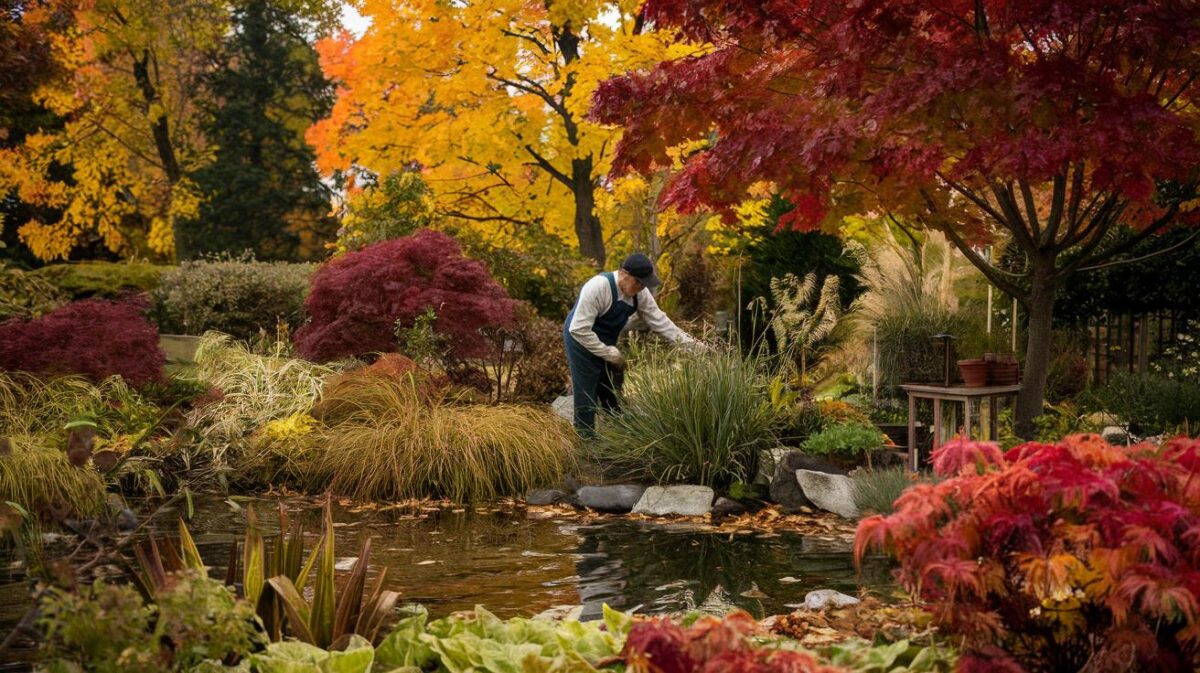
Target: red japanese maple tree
(1046,124)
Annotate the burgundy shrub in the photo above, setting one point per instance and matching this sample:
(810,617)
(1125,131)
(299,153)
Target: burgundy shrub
(357,298)
(93,337)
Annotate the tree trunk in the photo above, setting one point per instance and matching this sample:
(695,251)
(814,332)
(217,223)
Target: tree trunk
(587,225)
(1040,308)
(162,139)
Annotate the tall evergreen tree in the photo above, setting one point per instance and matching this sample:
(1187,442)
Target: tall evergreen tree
(262,191)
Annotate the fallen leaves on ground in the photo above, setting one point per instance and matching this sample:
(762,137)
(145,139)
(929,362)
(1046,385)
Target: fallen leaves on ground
(867,620)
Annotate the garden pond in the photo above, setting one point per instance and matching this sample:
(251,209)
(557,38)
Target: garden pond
(521,562)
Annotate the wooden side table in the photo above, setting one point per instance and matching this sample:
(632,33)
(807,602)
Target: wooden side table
(970,398)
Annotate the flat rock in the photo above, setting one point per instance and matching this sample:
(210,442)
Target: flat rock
(825,598)
(546,496)
(830,492)
(564,406)
(785,490)
(620,498)
(675,500)
(726,507)
(1115,434)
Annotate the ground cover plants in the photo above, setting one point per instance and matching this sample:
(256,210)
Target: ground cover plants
(1071,556)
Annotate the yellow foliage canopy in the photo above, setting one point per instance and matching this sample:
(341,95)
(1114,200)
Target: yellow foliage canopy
(488,97)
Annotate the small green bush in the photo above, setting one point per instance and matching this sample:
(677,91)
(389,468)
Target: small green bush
(845,439)
(1151,403)
(105,280)
(698,420)
(109,627)
(237,296)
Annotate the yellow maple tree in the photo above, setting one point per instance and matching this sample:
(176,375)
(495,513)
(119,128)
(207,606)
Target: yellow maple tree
(117,168)
(489,99)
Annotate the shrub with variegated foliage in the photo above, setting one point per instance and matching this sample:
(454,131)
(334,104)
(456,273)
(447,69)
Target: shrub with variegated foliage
(1072,556)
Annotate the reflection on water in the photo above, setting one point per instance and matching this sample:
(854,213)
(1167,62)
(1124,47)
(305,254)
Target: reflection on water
(515,565)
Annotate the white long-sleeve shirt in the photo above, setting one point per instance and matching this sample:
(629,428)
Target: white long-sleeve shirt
(594,301)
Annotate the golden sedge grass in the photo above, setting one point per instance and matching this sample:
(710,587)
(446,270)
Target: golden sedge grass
(31,405)
(39,478)
(385,443)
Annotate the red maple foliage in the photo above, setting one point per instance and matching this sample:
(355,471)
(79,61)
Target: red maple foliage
(1044,123)
(93,337)
(710,645)
(1054,557)
(357,298)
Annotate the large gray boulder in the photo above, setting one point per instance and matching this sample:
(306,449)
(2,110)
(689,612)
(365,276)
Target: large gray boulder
(675,500)
(785,490)
(830,492)
(620,498)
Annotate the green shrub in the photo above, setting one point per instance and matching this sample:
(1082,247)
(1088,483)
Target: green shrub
(105,280)
(845,439)
(237,296)
(695,420)
(109,627)
(1151,403)
(379,440)
(876,490)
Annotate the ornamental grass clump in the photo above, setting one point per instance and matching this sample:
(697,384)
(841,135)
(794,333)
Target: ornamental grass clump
(694,420)
(40,478)
(1071,556)
(254,390)
(380,440)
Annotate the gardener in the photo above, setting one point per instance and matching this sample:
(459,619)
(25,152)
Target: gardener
(608,304)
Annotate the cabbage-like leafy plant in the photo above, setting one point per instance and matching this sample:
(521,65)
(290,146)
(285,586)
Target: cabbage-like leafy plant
(1070,556)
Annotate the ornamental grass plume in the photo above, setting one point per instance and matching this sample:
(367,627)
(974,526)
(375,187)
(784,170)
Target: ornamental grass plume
(381,440)
(1071,556)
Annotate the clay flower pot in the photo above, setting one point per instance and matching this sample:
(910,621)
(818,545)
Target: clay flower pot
(974,372)
(1003,369)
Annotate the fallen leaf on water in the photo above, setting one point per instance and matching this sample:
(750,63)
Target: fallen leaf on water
(426,562)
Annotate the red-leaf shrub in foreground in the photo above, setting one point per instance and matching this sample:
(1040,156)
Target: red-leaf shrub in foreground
(1064,555)
(357,298)
(93,337)
(710,645)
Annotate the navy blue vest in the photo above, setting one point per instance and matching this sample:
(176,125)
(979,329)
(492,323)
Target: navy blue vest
(608,326)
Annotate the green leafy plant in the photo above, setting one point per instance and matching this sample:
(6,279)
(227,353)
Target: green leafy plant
(806,314)
(24,294)
(901,656)
(112,628)
(845,439)
(381,439)
(697,420)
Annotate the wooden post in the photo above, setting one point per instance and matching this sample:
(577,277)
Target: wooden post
(913,453)
(967,419)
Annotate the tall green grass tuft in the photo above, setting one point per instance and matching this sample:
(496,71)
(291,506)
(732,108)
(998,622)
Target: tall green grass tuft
(381,441)
(39,478)
(30,405)
(699,419)
(876,490)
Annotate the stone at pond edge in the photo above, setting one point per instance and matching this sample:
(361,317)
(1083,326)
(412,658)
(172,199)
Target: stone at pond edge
(768,460)
(726,507)
(564,406)
(675,500)
(620,498)
(830,492)
(784,488)
(546,496)
(823,598)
